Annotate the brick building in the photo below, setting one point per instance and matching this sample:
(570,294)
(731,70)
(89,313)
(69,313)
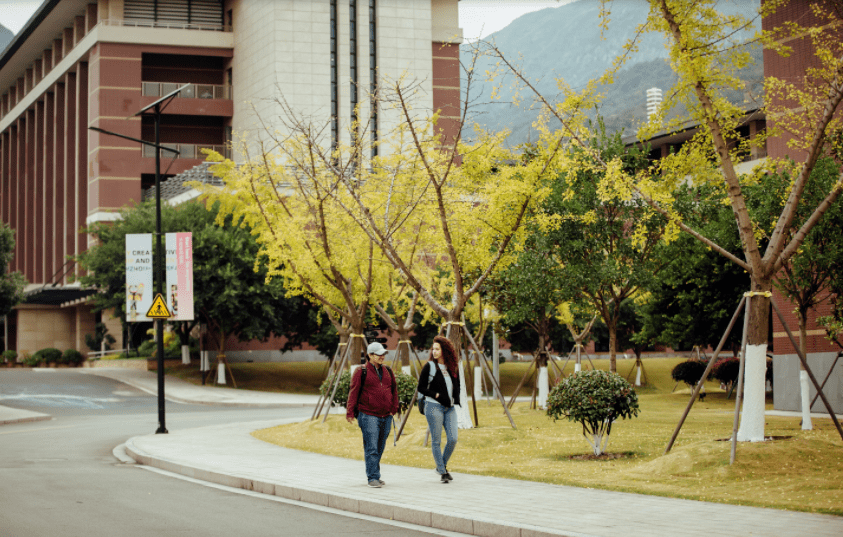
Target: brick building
(84,63)
(821,352)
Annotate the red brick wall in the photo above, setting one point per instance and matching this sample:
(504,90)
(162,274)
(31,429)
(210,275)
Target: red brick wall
(792,69)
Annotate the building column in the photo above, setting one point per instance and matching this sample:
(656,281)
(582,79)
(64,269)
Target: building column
(57,209)
(47,264)
(81,180)
(68,229)
(27,237)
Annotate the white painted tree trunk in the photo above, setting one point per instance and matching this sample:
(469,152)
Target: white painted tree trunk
(599,443)
(204,362)
(544,388)
(638,375)
(754,393)
(478,383)
(463,417)
(405,369)
(807,425)
(577,367)
(220,373)
(185,354)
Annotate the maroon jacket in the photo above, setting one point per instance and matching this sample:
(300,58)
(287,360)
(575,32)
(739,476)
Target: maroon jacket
(379,397)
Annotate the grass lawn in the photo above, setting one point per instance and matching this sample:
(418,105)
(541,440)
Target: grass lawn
(803,472)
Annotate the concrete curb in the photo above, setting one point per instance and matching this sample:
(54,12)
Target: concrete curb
(43,417)
(389,510)
(10,416)
(179,391)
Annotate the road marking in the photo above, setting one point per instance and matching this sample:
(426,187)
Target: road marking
(322,508)
(61,400)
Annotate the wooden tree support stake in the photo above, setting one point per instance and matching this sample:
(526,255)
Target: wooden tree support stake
(485,366)
(808,369)
(739,396)
(330,366)
(830,370)
(705,375)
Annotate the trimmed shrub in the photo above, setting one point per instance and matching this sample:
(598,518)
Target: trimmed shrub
(10,356)
(72,357)
(690,371)
(406,389)
(147,348)
(48,356)
(30,360)
(726,370)
(596,399)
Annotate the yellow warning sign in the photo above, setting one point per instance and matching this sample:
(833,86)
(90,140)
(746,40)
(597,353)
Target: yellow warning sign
(158,310)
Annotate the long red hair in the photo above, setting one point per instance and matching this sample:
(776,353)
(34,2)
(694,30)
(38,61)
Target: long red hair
(448,353)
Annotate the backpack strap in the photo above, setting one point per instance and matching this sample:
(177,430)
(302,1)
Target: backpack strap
(365,368)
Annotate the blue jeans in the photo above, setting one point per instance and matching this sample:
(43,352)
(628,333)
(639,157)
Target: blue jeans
(438,417)
(375,432)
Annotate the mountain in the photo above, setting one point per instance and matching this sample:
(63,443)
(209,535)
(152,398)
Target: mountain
(567,42)
(6,37)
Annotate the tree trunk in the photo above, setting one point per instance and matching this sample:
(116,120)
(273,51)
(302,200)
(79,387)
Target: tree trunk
(402,354)
(755,368)
(613,351)
(357,351)
(804,389)
(455,336)
(542,378)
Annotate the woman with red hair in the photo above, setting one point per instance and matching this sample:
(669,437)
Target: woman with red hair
(440,385)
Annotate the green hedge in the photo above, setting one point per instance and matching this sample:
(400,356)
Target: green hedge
(72,357)
(47,356)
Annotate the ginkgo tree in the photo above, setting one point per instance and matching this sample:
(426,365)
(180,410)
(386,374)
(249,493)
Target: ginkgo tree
(307,239)
(706,49)
(429,204)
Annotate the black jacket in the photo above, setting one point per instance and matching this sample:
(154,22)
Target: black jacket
(437,385)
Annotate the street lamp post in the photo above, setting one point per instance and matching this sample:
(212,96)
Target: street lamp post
(157,107)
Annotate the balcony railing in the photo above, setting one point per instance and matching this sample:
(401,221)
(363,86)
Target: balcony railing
(192,91)
(193,151)
(170,25)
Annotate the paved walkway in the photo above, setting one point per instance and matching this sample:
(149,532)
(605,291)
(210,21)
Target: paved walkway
(477,505)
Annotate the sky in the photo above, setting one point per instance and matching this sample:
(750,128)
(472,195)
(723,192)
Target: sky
(478,18)
(15,13)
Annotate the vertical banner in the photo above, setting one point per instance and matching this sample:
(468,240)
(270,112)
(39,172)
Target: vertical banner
(179,253)
(138,277)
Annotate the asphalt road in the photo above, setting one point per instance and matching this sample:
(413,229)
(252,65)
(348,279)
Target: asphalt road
(60,477)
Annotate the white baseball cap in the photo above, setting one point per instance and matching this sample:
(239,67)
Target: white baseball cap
(376,348)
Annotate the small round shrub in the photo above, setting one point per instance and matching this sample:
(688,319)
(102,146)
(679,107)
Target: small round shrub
(690,371)
(343,386)
(48,356)
(596,399)
(726,370)
(72,357)
(406,389)
(10,356)
(30,360)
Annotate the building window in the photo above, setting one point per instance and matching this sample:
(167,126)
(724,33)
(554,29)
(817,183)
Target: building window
(373,73)
(335,112)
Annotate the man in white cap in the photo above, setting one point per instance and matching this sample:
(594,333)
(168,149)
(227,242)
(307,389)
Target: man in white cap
(373,399)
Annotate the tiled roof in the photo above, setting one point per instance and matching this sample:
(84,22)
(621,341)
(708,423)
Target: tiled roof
(175,186)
